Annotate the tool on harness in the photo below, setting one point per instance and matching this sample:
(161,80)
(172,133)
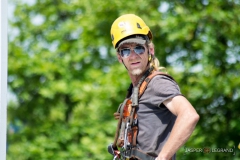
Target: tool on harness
(127,128)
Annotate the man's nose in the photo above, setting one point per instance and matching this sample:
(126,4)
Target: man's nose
(132,53)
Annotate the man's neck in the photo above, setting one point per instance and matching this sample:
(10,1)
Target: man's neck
(136,78)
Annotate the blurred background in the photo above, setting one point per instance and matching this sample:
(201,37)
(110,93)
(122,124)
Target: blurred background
(65,82)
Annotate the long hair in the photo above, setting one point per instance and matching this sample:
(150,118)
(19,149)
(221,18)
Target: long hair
(154,62)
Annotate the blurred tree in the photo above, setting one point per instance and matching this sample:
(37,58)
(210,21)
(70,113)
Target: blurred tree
(68,83)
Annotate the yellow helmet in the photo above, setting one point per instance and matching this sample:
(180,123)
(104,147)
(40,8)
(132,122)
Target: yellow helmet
(127,25)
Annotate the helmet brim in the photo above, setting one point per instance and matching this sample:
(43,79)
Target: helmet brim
(132,40)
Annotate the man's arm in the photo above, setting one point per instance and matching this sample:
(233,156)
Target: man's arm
(185,123)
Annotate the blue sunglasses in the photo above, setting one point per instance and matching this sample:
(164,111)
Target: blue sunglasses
(125,52)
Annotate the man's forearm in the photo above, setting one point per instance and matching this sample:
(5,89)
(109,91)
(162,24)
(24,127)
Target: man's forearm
(183,128)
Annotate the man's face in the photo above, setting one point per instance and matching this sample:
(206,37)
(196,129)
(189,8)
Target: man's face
(136,63)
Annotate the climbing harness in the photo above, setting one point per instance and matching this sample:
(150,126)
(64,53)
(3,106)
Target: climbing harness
(127,127)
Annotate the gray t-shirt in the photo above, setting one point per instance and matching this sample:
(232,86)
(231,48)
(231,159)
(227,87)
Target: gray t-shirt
(155,121)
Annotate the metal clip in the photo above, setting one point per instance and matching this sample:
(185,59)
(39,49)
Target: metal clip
(135,122)
(125,136)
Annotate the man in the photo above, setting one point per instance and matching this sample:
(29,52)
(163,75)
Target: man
(166,119)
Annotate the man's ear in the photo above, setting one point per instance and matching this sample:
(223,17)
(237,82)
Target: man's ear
(151,49)
(119,58)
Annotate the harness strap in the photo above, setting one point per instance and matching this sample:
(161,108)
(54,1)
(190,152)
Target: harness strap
(142,88)
(120,109)
(148,79)
(136,153)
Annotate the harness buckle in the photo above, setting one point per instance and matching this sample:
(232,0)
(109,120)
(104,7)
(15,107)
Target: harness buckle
(135,122)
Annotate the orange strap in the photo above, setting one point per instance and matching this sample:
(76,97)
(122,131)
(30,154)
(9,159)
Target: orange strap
(148,79)
(126,111)
(140,93)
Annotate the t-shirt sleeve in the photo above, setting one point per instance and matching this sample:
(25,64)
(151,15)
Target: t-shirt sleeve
(162,88)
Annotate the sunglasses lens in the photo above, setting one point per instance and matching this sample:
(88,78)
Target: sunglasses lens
(139,49)
(125,52)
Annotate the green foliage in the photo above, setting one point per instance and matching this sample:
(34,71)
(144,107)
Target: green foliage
(68,82)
